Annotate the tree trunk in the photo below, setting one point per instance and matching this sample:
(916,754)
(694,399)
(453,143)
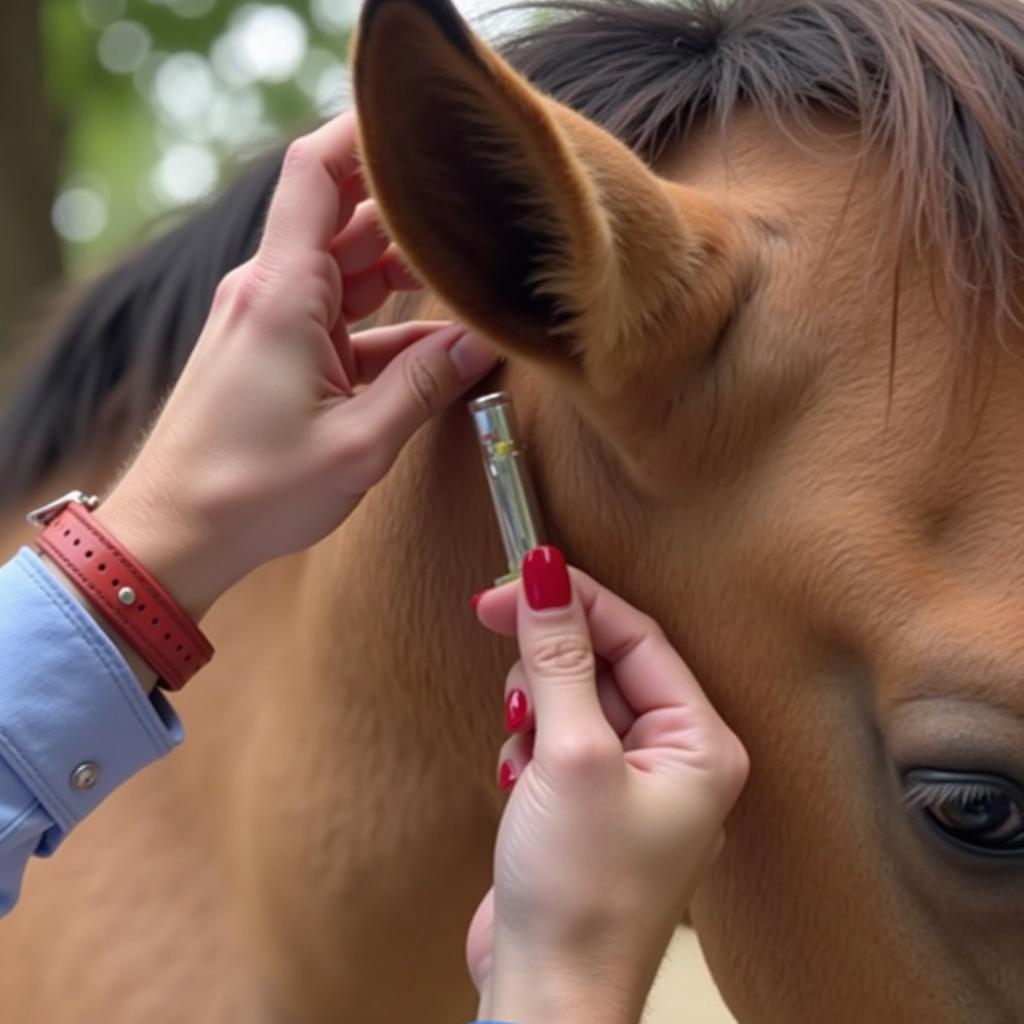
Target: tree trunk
(30,256)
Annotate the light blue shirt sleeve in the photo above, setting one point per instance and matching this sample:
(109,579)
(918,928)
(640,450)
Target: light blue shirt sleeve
(74,722)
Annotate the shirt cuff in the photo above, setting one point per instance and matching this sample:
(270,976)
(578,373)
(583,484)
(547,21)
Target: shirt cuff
(74,721)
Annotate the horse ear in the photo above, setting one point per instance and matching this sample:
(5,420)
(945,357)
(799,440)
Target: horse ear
(532,224)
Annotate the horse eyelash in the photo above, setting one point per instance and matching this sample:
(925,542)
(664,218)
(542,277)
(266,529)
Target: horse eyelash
(933,794)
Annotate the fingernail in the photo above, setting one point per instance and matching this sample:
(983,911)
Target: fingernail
(472,357)
(507,775)
(475,599)
(546,579)
(516,709)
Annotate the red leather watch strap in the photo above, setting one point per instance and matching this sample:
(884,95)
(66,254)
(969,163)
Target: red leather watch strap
(121,590)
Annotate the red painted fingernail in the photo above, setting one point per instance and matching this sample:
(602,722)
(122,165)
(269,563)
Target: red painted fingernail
(475,599)
(546,579)
(507,775)
(516,709)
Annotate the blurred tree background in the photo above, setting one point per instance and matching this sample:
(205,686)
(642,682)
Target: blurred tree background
(117,113)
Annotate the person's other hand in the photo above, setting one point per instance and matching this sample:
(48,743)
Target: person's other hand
(623,774)
(265,445)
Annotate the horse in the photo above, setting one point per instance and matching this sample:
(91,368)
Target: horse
(755,269)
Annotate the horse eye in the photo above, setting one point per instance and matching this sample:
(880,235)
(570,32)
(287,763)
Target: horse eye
(981,813)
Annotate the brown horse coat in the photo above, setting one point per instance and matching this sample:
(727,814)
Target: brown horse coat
(814,487)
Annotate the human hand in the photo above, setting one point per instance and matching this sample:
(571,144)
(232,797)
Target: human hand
(623,775)
(263,446)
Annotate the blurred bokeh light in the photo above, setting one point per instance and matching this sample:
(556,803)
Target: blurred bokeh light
(161,100)
(158,103)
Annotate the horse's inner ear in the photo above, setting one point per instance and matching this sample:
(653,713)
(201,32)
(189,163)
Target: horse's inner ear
(532,224)
(462,161)
(491,237)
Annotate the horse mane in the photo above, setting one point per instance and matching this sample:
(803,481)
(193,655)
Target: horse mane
(938,85)
(121,345)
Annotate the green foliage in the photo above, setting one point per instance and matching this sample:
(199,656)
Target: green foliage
(160,100)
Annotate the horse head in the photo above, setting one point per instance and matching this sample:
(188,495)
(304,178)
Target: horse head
(762,329)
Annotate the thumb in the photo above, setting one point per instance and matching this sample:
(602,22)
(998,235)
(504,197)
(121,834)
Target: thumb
(558,658)
(421,381)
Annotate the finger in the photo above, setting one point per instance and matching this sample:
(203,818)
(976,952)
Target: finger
(621,717)
(558,659)
(304,212)
(350,195)
(513,757)
(518,706)
(356,186)
(363,241)
(647,668)
(519,717)
(417,384)
(365,293)
(342,344)
(403,278)
(373,349)
(495,607)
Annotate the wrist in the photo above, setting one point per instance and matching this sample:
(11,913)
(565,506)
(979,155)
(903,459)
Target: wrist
(143,673)
(523,1000)
(589,988)
(172,543)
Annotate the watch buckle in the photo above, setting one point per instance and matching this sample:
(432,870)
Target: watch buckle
(45,514)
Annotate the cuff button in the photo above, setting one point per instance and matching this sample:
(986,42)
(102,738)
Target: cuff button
(85,776)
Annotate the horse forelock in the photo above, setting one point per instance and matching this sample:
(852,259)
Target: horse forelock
(935,85)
